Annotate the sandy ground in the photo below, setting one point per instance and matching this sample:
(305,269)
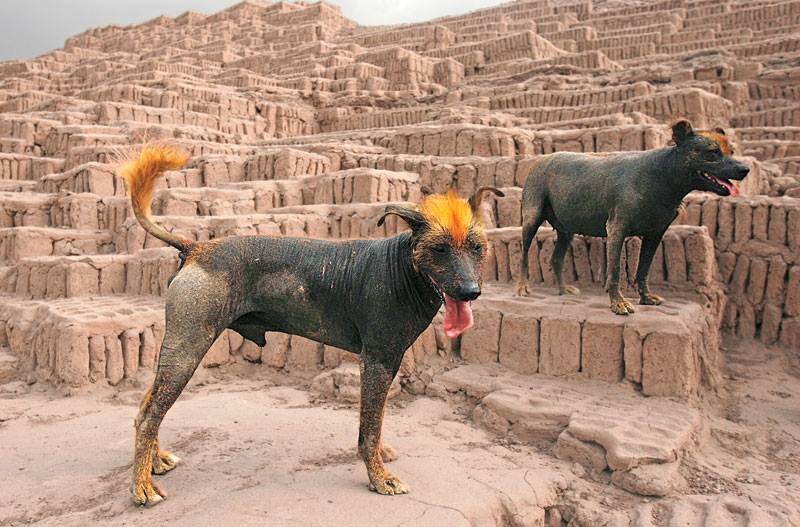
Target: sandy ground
(259,449)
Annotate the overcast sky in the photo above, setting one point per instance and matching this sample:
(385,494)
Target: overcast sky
(31,27)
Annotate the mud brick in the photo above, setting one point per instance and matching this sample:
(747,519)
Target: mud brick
(219,353)
(559,346)
(115,363)
(757,280)
(709,216)
(632,354)
(602,350)
(777,225)
(519,343)
(675,257)
(275,353)
(667,364)
(771,324)
(792,303)
(480,344)
(304,353)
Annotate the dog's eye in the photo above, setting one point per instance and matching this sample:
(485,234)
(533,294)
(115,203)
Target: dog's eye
(476,247)
(439,249)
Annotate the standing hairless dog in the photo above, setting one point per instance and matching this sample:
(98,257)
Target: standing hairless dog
(371,297)
(620,195)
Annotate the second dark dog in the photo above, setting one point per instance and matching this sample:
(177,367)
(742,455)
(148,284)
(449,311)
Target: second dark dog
(371,297)
(621,195)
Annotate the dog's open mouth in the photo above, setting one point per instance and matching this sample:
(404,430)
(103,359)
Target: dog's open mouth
(722,186)
(457,314)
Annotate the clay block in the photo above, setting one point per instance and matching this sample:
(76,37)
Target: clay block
(274,354)
(602,351)
(480,344)
(304,354)
(667,364)
(519,343)
(559,346)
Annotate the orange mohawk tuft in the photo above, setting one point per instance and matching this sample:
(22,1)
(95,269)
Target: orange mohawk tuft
(449,213)
(721,139)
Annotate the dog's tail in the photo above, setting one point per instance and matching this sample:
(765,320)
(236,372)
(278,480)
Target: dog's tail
(140,174)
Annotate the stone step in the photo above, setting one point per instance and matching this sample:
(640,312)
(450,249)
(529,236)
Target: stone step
(79,342)
(21,242)
(359,185)
(357,220)
(74,211)
(684,261)
(639,440)
(25,167)
(667,350)
(145,273)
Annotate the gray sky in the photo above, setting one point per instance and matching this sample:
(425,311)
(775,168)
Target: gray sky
(32,27)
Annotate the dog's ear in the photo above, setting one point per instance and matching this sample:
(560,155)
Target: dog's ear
(681,131)
(475,200)
(719,130)
(413,217)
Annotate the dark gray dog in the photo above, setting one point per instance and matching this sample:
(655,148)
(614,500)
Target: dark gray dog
(620,195)
(371,297)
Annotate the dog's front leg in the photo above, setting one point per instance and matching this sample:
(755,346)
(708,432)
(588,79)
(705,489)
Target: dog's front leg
(649,246)
(616,237)
(376,378)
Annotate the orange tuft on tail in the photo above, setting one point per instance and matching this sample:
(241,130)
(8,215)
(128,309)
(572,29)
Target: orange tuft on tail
(140,174)
(449,213)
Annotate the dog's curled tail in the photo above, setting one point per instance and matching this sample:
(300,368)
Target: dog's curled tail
(140,174)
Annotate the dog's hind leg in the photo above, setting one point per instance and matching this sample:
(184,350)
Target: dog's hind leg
(376,378)
(534,216)
(614,242)
(650,244)
(194,320)
(562,244)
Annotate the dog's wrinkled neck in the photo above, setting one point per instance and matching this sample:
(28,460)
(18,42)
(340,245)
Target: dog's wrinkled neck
(420,288)
(672,167)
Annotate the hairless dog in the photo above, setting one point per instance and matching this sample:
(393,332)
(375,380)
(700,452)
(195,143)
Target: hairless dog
(621,195)
(371,297)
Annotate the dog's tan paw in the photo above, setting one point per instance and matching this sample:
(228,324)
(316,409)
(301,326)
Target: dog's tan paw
(650,300)
(147,493)
(164,461)
(622,307)
(388,485)
(522,288)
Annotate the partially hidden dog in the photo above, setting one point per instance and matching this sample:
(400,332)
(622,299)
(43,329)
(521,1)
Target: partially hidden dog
(620,195)
(370,297)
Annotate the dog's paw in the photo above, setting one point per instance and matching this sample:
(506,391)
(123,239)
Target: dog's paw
(569,290)
(621,307)
(388,485)
(164,461)
(522,288)
(147,493)
(650,300)
(388,454)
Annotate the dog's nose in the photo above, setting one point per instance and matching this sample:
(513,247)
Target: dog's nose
(469,291)
(743,171)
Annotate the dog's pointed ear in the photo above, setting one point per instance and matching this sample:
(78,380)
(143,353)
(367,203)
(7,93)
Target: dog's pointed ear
(719,130)
(413,217)
(475,200)
(681,131)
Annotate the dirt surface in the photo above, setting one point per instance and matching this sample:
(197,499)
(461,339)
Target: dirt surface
(262,449)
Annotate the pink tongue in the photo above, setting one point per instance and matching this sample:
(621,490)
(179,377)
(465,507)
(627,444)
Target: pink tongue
(457,317)
(733,189)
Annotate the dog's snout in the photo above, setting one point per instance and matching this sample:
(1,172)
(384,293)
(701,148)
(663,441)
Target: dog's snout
(469,291)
